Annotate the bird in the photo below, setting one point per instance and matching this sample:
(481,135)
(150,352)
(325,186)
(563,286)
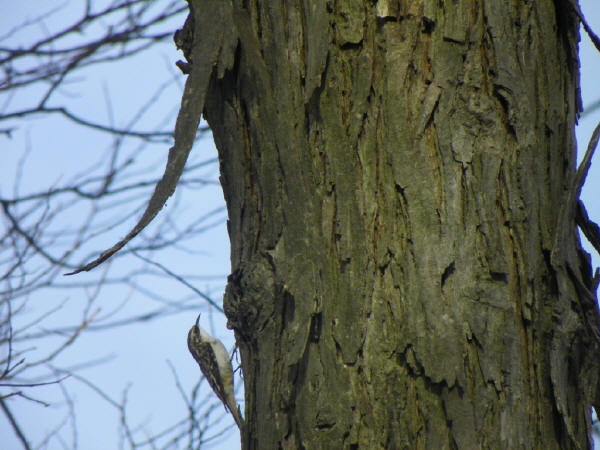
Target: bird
(215,364)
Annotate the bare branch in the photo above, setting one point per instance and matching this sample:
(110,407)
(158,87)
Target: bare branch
(13,423)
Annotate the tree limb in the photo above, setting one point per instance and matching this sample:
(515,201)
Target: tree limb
(214,40)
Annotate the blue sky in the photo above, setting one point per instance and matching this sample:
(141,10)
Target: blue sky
(142,355)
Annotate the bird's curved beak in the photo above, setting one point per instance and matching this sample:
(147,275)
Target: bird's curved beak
(198,319)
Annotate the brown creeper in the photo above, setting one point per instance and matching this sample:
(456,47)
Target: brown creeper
(213,359)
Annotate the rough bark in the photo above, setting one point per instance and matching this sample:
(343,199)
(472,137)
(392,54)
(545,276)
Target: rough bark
(406,272)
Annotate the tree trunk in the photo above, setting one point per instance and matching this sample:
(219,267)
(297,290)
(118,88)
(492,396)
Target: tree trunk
(406,272)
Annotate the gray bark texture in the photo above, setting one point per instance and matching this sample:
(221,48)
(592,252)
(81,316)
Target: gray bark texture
(400,178)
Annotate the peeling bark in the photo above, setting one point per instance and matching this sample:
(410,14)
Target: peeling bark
(406,271)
